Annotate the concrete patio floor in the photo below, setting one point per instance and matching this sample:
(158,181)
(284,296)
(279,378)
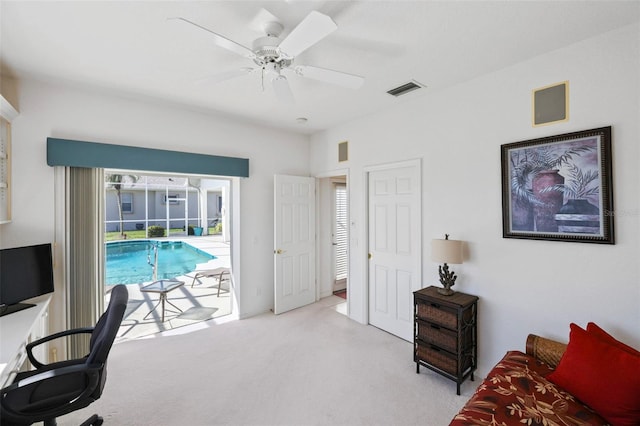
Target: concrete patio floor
(199,303)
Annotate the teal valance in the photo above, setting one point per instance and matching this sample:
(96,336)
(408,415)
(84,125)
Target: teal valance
(66,152)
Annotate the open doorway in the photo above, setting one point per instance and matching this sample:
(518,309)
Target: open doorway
(167,237)
(333,240)
(339,237)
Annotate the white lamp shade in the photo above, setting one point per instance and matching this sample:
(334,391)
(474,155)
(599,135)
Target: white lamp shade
(446,251)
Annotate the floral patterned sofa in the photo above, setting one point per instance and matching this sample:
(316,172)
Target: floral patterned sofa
(541,386)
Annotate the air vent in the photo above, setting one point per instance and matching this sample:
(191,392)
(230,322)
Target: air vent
(405,88)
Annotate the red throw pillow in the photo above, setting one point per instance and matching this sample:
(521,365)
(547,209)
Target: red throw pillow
(601,375)
(593,329)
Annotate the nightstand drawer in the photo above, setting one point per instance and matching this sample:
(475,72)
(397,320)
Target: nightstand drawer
(438,358)
(441,337)
(443,360)
(439,314)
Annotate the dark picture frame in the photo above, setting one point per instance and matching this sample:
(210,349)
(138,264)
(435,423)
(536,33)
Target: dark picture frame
(559,188)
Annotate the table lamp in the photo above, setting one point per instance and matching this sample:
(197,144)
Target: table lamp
(446,251)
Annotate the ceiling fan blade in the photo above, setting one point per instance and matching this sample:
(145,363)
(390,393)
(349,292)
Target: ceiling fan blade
(220,40)
(282,89)
(258,21)
(311,30)
(226,75)
(350,81)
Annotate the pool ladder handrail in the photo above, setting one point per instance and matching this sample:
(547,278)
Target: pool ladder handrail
(155,262)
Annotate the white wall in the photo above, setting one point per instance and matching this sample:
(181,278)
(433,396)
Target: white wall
(524,286)
(63,112)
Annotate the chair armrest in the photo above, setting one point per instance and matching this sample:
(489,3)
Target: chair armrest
(546,350)
(56,372)
(92,373)
(54,336)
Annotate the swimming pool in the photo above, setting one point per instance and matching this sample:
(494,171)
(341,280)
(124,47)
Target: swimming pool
(130,262)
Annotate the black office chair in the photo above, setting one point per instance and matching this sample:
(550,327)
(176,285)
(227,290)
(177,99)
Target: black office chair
(52,390)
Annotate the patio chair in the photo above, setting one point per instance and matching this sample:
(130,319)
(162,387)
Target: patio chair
(215,273)
(52,390)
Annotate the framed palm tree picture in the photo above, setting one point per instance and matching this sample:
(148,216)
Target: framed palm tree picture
(559,188)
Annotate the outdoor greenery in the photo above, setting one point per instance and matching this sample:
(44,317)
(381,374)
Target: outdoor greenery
(139,234)
(116,181)
(132,235)
(156,231)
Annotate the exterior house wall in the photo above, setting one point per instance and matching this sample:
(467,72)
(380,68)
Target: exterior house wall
(111,211)
(157,205)
(156,211)
(184,204)
(214,207)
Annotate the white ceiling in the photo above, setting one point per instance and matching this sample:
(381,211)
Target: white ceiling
(130,48)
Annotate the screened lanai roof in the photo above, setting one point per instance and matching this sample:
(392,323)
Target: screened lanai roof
(141,181)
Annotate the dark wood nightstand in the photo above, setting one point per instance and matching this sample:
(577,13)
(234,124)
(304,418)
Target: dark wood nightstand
(445,337)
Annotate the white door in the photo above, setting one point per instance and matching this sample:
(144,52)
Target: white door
(294,251)
(395,244)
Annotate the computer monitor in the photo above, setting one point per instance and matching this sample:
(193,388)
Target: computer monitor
(25,272)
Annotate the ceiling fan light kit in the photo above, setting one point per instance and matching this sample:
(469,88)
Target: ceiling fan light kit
(273,55)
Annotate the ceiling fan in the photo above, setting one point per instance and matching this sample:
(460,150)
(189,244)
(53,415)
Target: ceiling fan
(275,56)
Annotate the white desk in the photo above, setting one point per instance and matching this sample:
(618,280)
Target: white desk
(18,329)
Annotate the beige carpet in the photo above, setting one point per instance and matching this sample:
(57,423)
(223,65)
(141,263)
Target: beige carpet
(311,366)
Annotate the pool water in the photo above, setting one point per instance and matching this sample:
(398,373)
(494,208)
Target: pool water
(128,262)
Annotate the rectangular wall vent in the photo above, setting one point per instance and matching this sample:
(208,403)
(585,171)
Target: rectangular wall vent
(405,88)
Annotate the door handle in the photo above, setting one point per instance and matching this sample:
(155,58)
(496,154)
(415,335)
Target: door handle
(370,256)
(279,251)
